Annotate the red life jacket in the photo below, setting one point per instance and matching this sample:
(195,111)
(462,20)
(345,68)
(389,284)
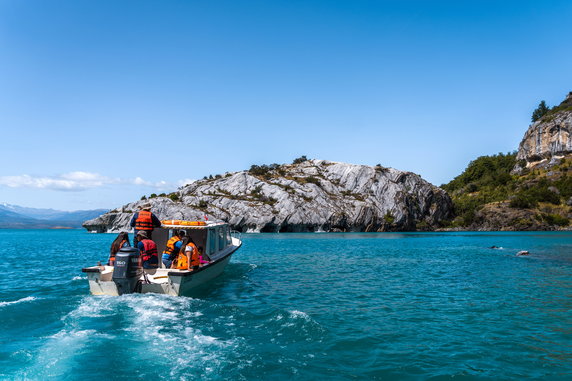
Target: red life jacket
(150,250)
(144,221)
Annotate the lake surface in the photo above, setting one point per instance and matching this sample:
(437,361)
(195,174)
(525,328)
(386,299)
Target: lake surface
(299,306)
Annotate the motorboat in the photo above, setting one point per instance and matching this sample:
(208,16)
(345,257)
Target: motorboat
(127,276)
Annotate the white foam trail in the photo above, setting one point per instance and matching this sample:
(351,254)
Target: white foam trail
(79,277)
(26,299)
(54,358)
(91,307)
(299,315)
(170,328)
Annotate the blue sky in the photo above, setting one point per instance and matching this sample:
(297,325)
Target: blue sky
(104,101)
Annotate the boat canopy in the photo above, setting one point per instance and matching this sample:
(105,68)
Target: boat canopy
(212,237)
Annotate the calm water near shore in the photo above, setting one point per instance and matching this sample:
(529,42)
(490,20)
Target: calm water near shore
(299,306)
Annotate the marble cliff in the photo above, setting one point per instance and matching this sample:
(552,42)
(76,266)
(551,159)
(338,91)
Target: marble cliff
(314,195)
(549,139)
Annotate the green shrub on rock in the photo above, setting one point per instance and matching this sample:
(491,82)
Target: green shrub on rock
(555,219)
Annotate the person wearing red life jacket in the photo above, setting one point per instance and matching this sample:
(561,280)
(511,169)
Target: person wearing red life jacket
(148,250)
(145,221)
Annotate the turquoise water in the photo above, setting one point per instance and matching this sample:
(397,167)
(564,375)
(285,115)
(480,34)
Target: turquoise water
(300,306)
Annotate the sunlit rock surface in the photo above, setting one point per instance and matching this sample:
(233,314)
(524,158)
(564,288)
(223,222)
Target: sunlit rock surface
(315,195)
(549,139)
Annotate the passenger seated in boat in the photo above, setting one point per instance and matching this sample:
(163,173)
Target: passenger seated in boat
(148,250)
(173,247)
(188,258)
(121,241)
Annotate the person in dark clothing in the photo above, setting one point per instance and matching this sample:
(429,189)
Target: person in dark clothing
(145,221)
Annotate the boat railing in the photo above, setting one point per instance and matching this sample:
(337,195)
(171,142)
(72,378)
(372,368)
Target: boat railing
(236,234)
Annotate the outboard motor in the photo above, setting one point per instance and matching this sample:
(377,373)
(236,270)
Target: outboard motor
(127,270)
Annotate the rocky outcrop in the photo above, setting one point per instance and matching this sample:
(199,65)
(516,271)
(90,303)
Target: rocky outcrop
(315,195)
(547,140)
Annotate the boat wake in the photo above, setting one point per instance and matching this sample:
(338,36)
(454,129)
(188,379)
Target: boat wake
(152,336)
(26,299)
(168,333)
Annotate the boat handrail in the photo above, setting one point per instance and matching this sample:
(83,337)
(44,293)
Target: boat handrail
(236,234)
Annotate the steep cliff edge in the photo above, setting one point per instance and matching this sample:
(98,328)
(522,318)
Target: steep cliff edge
(528,190)
(548,139)
(313,195)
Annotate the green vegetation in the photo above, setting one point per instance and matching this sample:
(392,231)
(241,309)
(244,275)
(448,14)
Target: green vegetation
(257,195)
(547,114)
(529,195)
(357,196)
(263,170)
(488,180)
(555,219)
(312,180)
(388,218)
(540,111)
(485,171)
(300,159)
(154,195)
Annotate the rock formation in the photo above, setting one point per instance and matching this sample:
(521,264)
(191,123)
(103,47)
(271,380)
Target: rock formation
(547,140)
(314,195)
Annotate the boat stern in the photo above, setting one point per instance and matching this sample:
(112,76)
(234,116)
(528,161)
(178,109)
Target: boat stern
(99,279)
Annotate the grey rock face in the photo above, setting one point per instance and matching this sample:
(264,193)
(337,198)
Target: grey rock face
(549,139)
(315,195)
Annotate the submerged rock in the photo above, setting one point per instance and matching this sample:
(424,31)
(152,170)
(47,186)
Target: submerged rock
(315,195)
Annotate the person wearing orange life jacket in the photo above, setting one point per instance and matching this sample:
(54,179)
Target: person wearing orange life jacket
(148,250)
(121,241)
(145,221)
(189,257)
(173,247)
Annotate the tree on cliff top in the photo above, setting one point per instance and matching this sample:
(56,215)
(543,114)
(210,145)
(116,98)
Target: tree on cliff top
(540,111)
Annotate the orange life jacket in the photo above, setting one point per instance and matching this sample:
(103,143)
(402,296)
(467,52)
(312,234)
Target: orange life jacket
(181,262)
(170,248)
(144,221)
(195,257)
(150,249)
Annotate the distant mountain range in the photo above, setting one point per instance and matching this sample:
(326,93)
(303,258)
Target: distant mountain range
(19,217)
